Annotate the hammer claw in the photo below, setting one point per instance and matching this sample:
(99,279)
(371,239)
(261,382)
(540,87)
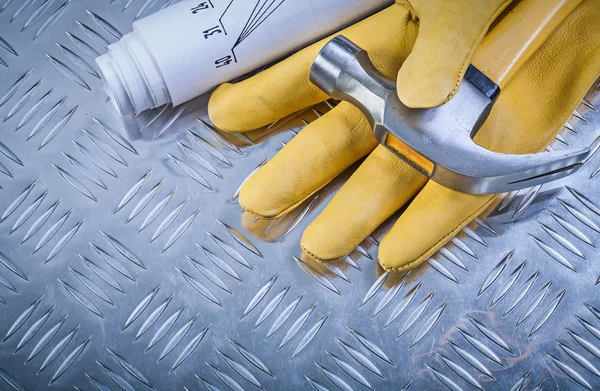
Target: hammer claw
(563,166)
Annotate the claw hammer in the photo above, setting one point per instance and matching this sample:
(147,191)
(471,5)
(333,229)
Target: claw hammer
(438,142)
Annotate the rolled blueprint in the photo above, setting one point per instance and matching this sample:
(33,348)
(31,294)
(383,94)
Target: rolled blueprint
(189,48)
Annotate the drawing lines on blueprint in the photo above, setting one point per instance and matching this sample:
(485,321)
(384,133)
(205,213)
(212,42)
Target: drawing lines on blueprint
(260,13)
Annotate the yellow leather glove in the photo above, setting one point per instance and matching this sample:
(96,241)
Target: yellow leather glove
(520,122)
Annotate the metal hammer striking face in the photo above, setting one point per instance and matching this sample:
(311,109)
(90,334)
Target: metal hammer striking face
(438,142)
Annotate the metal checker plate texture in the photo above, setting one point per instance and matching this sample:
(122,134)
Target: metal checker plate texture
(124,263)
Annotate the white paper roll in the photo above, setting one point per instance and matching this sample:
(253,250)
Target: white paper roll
(191,47)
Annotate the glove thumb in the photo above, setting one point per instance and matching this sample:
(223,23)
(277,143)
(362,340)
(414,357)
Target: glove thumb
(449,34)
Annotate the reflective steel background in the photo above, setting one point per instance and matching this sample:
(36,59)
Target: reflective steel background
(125,264)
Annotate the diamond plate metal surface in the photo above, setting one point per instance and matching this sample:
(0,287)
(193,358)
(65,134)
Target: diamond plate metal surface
(125,264)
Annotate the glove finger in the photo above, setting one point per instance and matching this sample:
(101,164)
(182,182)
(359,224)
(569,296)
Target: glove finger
(377,189)
(448,36)
(435,216)
(285,88)
(322,150)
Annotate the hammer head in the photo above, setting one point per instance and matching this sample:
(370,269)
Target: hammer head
(438,142)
